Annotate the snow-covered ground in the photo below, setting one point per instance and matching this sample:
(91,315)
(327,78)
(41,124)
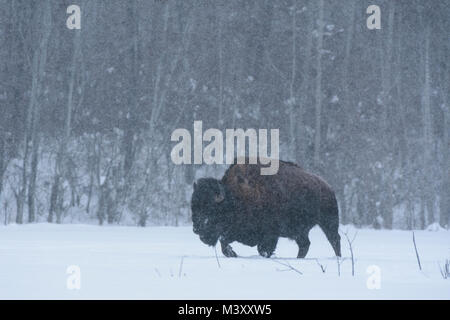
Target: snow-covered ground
(172,263)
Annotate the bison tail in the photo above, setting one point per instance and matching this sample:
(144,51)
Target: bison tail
(329,223)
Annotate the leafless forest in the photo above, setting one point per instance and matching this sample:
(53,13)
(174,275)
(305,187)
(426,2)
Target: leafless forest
(86,115)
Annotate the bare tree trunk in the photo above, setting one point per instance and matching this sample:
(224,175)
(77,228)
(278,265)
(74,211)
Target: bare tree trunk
(422,218)
(5,208)
(444,203)
(61,165)
(220,48)
(21,195)
(31,131)
(292,98)
(403,136)
(53,199)
(387,70)
(346,95)
(2,159)
(318,128)
(131,117)
(409,214)
(60,206)
(33,176)
(91,180)
(348,49)
(427,135)
(303,94)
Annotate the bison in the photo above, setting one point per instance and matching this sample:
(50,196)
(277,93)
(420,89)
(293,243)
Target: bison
(256,209)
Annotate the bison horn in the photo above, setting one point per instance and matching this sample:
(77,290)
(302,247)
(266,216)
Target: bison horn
(221,196)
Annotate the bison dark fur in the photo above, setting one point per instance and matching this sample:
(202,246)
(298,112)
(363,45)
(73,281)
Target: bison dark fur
(256,210)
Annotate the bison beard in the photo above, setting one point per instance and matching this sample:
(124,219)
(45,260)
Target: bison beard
(256,210)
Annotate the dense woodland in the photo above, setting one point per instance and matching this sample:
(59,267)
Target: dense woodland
(86,115)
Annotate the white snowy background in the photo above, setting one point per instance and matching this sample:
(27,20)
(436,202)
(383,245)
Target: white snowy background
(171,263)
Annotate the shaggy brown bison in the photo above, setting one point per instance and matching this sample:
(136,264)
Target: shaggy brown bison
(256,210)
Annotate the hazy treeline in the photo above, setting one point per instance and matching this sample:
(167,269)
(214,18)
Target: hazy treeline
(86,115)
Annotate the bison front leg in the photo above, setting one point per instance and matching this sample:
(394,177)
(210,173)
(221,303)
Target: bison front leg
(227,250)
(267,246)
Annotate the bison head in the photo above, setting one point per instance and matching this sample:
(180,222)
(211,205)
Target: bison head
(207,206)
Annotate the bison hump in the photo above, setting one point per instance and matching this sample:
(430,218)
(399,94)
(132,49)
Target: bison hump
(247,184)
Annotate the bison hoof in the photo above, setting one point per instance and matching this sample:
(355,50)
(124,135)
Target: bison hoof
(266,251)
(265,254)
(229,253)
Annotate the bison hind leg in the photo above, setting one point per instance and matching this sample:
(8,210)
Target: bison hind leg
(335,241)
(267,246)
(303,245)
(331,232)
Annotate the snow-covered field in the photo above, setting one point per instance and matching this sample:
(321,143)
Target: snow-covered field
(172,263)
